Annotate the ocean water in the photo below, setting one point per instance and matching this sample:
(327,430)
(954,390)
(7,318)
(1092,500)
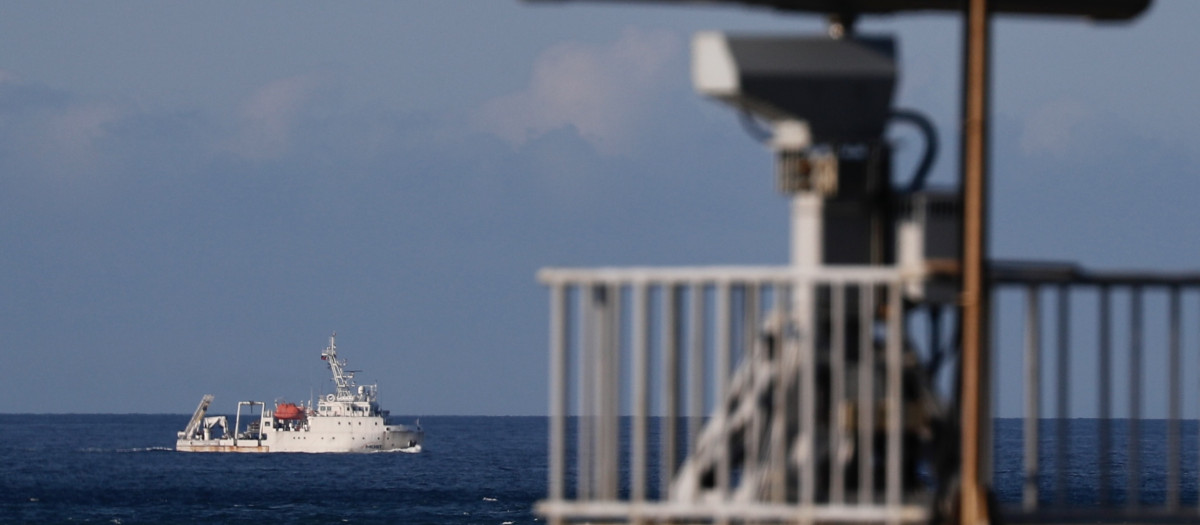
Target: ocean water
(487,470)
(123,469)
(1086,476)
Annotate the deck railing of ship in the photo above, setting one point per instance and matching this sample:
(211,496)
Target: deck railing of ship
(1101,353)
(668,396)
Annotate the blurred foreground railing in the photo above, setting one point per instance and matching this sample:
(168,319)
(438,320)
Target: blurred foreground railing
(732,394)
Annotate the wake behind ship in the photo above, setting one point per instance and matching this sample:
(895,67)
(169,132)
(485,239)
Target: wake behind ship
(349,420)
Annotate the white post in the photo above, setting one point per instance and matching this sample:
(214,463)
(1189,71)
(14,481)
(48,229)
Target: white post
(806,229)
(791,138)
(237,421)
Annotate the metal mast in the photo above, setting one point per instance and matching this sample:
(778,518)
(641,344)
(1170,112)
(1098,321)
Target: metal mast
(344,379)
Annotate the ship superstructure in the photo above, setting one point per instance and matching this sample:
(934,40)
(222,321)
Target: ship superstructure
(348,420)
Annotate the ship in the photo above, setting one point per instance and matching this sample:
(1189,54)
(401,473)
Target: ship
(348,420)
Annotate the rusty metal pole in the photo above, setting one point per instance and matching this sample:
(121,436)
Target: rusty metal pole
(976,68)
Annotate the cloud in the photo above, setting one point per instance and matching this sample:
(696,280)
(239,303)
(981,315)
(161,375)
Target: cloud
(269,117)
(1054,127)
(48,134)
(602,91)
(73,131)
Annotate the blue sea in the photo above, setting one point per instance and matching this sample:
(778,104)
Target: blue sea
(1082,477)
(123,469)
(486,470)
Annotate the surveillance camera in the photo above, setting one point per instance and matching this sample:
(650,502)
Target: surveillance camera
(842,88)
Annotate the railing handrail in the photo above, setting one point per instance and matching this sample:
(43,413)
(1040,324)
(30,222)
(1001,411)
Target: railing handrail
(1030,272)
(724,274)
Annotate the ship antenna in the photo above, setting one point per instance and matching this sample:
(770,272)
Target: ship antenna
(343,378)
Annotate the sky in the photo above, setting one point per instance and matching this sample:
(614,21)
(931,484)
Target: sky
(193,196)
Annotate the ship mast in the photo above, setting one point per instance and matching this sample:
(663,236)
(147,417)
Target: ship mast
(344,379)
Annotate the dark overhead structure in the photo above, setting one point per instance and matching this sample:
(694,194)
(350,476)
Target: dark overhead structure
(1093,9)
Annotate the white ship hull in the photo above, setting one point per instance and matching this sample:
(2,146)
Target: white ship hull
(327,434)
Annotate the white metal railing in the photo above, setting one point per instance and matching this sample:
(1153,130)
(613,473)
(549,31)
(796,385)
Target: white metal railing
(1113,341)
(719,394)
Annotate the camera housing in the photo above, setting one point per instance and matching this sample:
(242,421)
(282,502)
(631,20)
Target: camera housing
(842,88)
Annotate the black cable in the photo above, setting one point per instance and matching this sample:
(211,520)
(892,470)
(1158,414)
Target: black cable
(926,128)
(753,127)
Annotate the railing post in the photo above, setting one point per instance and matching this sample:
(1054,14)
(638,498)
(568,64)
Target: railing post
(671,334)
(722,348)
(895,394)
(610,388)
(866,395)
(1174,459)
(592,301)
(807,393)
(753,466)
(641,390)
(558,390)
(779,416)
(1105,366)
(696,384)
(1134,462)
(837,390)
(1063,394)
(1033,335)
